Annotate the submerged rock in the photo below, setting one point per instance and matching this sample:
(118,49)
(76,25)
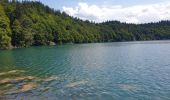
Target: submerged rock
(16,79)
(76,83)
(16,71)
(28,87)
(12,72)
(26,78)
(50,78)
(2,92)
(130,87)
(15,82)
(6,81)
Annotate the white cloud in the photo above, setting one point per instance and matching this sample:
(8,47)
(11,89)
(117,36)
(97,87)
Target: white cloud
(132,14)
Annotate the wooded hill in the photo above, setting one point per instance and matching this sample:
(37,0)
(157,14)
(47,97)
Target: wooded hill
(24,24)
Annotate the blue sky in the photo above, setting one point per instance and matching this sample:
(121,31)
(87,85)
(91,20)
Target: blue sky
(130,11)
(58,4)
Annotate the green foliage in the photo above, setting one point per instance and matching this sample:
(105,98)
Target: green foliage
(22,32)
(5,39)
(16,33)
(28,23)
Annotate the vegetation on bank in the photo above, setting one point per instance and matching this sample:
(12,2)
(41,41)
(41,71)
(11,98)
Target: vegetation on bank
(24,24)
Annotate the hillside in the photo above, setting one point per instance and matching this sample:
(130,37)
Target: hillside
(24,24)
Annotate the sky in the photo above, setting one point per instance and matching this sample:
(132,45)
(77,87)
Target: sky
(129,11)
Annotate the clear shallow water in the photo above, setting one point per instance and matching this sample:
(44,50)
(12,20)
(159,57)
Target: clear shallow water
(101,71)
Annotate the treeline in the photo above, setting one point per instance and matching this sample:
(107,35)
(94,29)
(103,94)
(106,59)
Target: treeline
(28,23)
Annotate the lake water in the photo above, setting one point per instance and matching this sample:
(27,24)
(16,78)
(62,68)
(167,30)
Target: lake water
(98,71)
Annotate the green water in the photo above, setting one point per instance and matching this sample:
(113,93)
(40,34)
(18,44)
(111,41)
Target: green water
(101,71)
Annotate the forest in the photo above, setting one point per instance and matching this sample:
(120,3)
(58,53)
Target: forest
(31,23)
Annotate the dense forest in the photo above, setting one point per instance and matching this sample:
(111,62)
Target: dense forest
(28,23)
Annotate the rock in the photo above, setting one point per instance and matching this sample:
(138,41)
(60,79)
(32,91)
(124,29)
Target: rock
(6,81)
(1,93)
(16,79)
(130,87)
(49,79)
(30,78)
(16,71)
(52,43)
(76,83)
(28,87)
(12,72)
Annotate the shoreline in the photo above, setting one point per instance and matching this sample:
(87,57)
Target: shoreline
(57,44)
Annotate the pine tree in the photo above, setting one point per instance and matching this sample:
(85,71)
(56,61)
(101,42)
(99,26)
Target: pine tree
(5,32)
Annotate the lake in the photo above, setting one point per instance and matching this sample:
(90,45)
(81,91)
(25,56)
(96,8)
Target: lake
(96,71)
